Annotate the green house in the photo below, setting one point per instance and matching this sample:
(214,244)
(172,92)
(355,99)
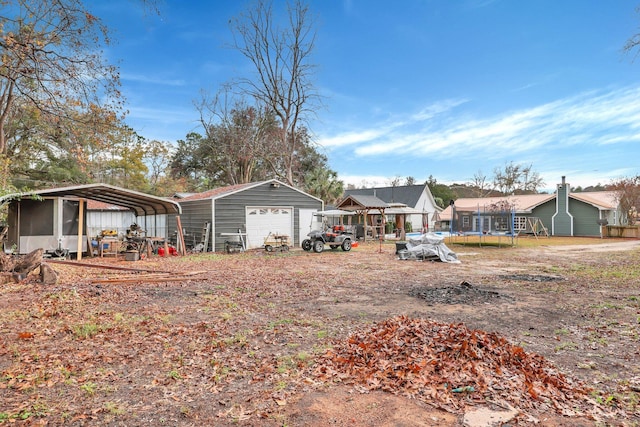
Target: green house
(562,213)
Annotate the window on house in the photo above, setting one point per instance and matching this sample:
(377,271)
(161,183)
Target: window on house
(502,223)
(520,223)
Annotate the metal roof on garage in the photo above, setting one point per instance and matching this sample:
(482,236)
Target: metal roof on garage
(140,203)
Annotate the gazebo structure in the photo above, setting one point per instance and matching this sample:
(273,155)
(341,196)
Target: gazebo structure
(400,212)
(365,205)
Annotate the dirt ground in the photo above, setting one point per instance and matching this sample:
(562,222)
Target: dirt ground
(217,339)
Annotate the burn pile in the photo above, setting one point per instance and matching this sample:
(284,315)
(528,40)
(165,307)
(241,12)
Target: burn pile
(463,293)
(448,366)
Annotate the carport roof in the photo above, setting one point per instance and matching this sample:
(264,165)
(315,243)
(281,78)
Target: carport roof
(140,203)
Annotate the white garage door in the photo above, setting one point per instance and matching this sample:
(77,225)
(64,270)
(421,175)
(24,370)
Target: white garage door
(264,220)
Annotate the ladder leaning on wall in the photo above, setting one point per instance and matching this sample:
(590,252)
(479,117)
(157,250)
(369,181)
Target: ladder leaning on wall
(204,243)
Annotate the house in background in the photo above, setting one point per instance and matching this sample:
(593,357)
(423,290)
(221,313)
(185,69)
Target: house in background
(249,212)
(418,197)
(559,214)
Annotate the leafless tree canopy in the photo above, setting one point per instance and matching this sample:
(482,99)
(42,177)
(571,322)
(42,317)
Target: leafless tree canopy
(627,194)
(283,71)
(239,136)
(517,178)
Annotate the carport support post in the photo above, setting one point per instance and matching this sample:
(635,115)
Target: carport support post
(80,227)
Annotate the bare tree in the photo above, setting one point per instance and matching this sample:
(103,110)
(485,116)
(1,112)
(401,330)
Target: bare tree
(480,184)
(238,136)
(516,178)
(633,43)
(280,57)
(627,194)
(395,182)
(158,156)
(51,59)
(530,180)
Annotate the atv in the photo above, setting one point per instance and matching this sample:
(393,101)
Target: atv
(336,237)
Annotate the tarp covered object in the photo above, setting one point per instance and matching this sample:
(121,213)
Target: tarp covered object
(430,246)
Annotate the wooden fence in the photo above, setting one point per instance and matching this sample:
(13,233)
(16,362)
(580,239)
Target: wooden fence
(621,231)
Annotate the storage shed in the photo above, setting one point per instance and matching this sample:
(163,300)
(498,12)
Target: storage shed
(248,213)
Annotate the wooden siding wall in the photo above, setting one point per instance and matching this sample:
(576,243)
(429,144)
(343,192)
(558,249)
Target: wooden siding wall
(230,211)
(585,218)
(545,212)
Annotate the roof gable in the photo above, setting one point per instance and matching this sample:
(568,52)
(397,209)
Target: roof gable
(406,194)
(521,203)
(599,199)
(220,192)
(361,201)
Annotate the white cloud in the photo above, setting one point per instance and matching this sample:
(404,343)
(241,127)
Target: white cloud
(153,80)
(437,108)
(593,118)
(365,181)
(350,138)
(392,129)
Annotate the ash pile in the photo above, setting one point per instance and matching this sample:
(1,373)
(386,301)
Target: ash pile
(427,247)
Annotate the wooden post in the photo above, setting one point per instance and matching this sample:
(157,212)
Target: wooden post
(80,227)
(400,226)
(366,214)
(89,247)
(181,246)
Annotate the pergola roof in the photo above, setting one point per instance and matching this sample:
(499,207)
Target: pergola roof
(140,203)
(362,202)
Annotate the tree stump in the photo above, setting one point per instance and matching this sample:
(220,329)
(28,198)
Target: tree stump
(28,262)
(48,276)
(18,268)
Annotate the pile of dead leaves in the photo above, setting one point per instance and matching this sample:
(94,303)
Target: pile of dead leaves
(448,366)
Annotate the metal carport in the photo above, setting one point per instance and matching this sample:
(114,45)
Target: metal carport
(140,203)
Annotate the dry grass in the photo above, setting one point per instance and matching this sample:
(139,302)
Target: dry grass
(527,242)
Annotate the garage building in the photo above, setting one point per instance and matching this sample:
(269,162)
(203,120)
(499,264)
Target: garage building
(249,212)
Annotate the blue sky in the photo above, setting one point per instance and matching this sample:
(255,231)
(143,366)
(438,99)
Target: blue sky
(416,88)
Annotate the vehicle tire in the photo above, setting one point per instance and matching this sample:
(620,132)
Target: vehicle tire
(306,244)
(318,246)
(346,245)
(284,248)
(268,248)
